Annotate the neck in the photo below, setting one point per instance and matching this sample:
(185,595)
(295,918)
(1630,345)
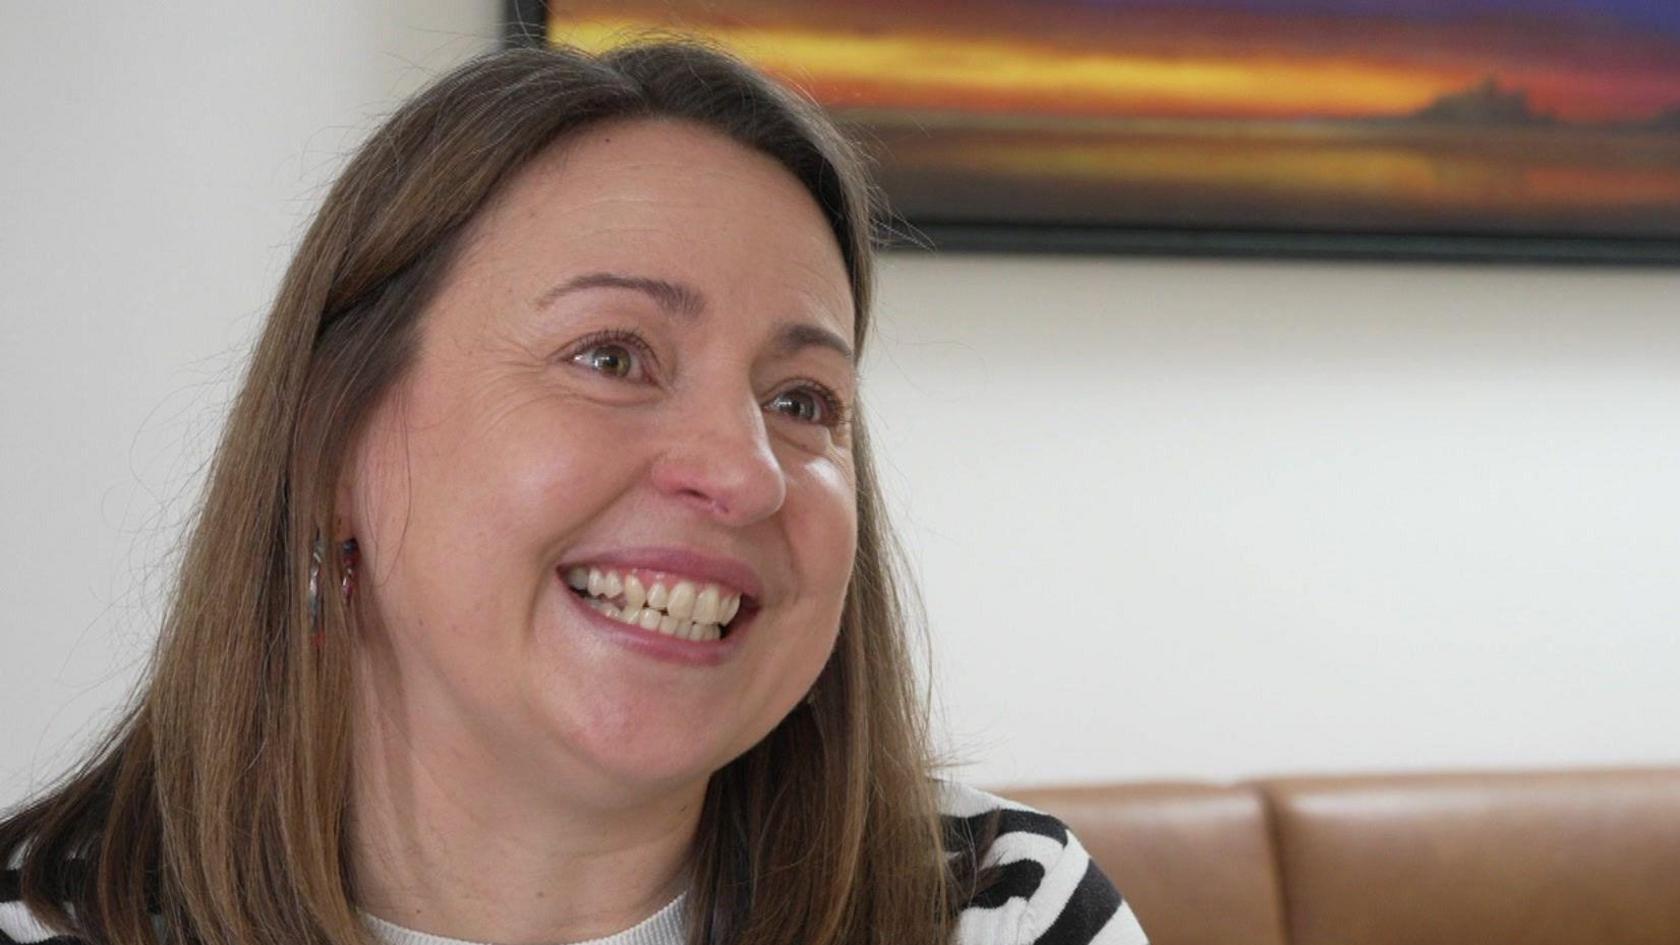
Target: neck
(445,840)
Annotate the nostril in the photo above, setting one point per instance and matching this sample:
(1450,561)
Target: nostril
(709,504)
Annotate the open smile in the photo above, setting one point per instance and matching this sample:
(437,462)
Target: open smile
(664,614)
(671,605)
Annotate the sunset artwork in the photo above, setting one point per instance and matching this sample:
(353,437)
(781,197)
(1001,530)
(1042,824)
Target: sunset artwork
(1509,119)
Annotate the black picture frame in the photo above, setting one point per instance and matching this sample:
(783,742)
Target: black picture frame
(525,24)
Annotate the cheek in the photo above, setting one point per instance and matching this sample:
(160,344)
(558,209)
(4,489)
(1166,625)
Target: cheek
(380,491)
(482,489)
(822,524)
(520,464)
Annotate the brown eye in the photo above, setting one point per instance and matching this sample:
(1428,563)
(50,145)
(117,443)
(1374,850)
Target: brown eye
(613,360)
(802,405)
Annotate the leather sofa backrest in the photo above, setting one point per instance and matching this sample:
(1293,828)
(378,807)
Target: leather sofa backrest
(1194,860)
(1562,858)
(1548,858)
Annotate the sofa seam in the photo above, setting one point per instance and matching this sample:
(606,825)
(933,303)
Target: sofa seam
(1273,822)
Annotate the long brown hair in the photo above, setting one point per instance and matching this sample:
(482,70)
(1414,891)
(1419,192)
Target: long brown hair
(216,812)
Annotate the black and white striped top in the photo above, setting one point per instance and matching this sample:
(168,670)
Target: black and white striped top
(1044,890)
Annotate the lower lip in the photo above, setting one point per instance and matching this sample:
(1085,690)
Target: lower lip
(660,646)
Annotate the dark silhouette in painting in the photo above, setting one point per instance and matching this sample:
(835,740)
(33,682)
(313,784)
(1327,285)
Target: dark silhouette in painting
(1484,103)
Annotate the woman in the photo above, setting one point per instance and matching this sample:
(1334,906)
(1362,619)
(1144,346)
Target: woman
(541,591)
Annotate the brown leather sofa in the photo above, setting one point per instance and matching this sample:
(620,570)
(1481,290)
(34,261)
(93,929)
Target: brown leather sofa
(1542,858)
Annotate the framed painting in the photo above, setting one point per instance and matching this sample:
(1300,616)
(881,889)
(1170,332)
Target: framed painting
(1541,130)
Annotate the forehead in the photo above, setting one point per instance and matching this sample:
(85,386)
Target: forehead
(666,199)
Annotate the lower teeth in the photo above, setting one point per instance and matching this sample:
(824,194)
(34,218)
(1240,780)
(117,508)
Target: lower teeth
(650,619)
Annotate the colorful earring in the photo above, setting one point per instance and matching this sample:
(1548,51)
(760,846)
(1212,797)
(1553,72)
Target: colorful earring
(349,555)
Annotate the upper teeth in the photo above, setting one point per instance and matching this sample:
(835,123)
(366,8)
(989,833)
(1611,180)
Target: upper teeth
(688,609)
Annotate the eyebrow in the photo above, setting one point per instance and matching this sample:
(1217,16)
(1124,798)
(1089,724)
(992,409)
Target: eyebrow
(674,298)
(688,303)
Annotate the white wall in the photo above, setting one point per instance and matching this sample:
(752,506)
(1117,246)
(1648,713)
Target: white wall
(1173,518)
(1218,519)
(157,164)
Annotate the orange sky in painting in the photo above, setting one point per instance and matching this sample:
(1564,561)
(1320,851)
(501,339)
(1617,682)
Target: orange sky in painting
(1160,64)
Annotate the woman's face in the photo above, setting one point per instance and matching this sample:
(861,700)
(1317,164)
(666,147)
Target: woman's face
(628,404)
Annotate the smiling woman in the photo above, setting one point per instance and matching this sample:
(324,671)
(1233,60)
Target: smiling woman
(566,372)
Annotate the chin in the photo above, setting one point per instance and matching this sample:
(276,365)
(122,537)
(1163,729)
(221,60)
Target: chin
(637,753)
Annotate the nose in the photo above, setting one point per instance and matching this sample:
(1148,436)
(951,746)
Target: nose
(720,461)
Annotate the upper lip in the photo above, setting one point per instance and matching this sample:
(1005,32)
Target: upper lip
(717,569)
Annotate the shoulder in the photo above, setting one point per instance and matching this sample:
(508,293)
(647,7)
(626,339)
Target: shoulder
(17,923)
(1039,886)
